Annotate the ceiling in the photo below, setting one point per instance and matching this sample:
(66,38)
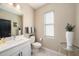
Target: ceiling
(36,5)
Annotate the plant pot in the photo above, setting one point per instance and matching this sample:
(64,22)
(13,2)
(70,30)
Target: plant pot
(69,39)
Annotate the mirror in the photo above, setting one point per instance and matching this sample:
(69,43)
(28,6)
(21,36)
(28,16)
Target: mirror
(12,20)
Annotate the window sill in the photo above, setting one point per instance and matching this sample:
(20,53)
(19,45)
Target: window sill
(49,37)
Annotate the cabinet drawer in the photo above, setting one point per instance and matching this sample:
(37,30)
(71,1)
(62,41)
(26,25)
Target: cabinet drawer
(9,52)
(25,48)
(22,46)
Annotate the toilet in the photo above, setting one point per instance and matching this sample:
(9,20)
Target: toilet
(35,45)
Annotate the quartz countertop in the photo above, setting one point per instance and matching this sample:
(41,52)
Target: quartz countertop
(12,43)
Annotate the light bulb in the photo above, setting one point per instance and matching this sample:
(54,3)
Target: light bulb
(10,4)
(18,6)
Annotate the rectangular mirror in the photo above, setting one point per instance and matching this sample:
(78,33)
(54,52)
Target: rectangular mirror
(10,23)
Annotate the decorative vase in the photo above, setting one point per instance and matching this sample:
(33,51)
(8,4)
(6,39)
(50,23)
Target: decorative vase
(19,32)
(69,39)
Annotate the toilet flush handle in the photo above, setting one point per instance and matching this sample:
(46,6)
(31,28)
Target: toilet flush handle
(41,39)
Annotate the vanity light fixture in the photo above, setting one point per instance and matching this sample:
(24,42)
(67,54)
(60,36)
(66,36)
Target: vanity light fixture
(15,5)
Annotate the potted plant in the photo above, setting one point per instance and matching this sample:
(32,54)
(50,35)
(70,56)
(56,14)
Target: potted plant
(69,35)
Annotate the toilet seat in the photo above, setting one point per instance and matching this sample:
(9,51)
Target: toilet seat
(37,44)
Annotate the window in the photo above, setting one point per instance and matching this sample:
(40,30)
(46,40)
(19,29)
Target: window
(49,24)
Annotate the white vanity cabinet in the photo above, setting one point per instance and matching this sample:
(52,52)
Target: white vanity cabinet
(26,51)
(10,52)
(23,49)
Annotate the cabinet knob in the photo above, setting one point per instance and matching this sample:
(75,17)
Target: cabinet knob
(21,53)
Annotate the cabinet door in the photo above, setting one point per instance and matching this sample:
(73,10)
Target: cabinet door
(16,54)
(26,50)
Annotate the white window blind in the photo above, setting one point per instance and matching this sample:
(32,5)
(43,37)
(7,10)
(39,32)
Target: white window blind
(49,24)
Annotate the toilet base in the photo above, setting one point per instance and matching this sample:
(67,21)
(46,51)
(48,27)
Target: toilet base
(36,47)
(35,50)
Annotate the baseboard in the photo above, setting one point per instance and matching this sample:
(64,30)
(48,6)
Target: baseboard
(52,51)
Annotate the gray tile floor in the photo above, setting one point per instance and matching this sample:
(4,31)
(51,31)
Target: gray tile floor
(43,52)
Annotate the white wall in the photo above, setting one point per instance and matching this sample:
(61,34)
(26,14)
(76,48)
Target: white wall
(77,26)
(28,16)
(64,13)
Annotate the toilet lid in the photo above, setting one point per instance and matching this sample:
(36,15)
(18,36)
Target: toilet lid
(37,44)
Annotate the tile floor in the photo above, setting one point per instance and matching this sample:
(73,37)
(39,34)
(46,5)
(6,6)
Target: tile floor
(44,52)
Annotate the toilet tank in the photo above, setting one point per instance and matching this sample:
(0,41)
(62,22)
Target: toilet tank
(32,39)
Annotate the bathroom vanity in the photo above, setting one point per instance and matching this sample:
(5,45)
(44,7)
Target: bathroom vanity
(21,46)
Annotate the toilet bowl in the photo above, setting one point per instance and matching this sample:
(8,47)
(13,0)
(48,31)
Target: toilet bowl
(35,45)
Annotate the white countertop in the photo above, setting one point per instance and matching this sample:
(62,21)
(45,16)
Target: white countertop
(12,43)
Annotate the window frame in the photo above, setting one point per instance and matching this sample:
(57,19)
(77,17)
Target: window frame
(48,24)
